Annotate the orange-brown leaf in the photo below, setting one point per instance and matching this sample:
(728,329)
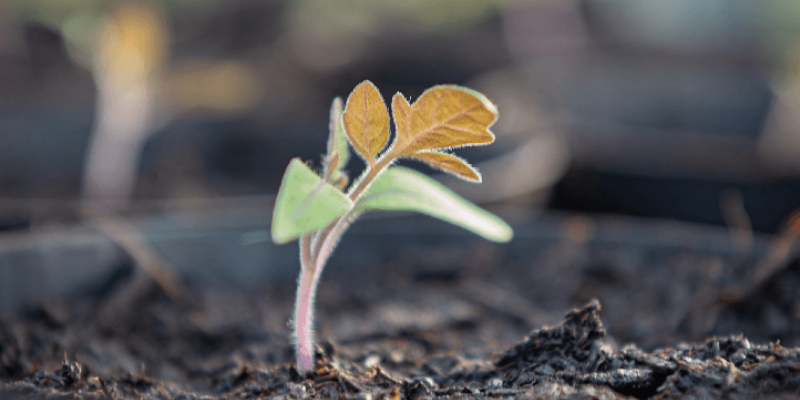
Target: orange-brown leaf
(401,111)
(443,117)
(366,121)
(449,163)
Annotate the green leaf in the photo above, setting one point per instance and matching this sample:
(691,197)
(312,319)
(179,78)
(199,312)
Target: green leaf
(305,204)
(403,189)
(337,141)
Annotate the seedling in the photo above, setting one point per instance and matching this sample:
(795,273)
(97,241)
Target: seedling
(318,209)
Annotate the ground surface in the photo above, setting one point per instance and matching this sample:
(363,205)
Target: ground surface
(682,313)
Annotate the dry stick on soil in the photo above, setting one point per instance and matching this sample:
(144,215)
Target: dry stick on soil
(316,210)
(151,267)
(782,249)
(735,216)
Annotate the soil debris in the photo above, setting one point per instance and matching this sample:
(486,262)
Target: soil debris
(392,329)
(569,360)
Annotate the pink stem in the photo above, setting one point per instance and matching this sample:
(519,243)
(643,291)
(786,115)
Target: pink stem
(304,319)
(304,307)
(311,265)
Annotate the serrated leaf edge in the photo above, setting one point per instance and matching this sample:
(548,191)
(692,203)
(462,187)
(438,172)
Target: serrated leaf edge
(418,157)
(480,96)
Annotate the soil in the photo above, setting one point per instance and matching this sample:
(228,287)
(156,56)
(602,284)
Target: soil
(685,314)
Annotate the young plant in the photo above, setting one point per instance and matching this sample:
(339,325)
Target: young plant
(318,209)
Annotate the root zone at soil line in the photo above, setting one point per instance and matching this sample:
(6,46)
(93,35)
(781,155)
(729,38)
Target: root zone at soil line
(568,360)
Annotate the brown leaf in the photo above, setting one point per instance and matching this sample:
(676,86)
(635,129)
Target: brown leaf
(443,117)
(401,111)
(449,163)
(366,121)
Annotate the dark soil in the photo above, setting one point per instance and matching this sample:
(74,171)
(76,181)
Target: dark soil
(443,317)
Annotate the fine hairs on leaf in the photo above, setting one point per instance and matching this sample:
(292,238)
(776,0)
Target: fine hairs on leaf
(316,209)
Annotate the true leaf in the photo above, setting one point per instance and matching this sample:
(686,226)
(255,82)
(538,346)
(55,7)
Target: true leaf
(403,189)
(401,111)
(305,203)
(443,117)
(449,163)
(337,139)
(366,121)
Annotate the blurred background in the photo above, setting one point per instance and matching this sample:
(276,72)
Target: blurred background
(636,107)
(647,154)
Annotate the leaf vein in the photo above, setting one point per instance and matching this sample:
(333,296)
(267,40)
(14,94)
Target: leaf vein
(366,128)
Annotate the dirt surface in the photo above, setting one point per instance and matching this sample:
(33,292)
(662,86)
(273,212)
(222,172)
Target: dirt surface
(451,318)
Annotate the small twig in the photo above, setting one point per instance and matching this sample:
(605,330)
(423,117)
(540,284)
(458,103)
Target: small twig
(134,243)
(735,216)
(151,268)
(782,249)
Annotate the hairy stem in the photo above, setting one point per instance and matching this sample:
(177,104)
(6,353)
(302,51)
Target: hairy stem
(314,253)
(304,319)
(304,309)
(371,173)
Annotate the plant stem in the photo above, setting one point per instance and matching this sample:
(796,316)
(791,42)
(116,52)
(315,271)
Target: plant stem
(304,309)
(371,173)
(313,256)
